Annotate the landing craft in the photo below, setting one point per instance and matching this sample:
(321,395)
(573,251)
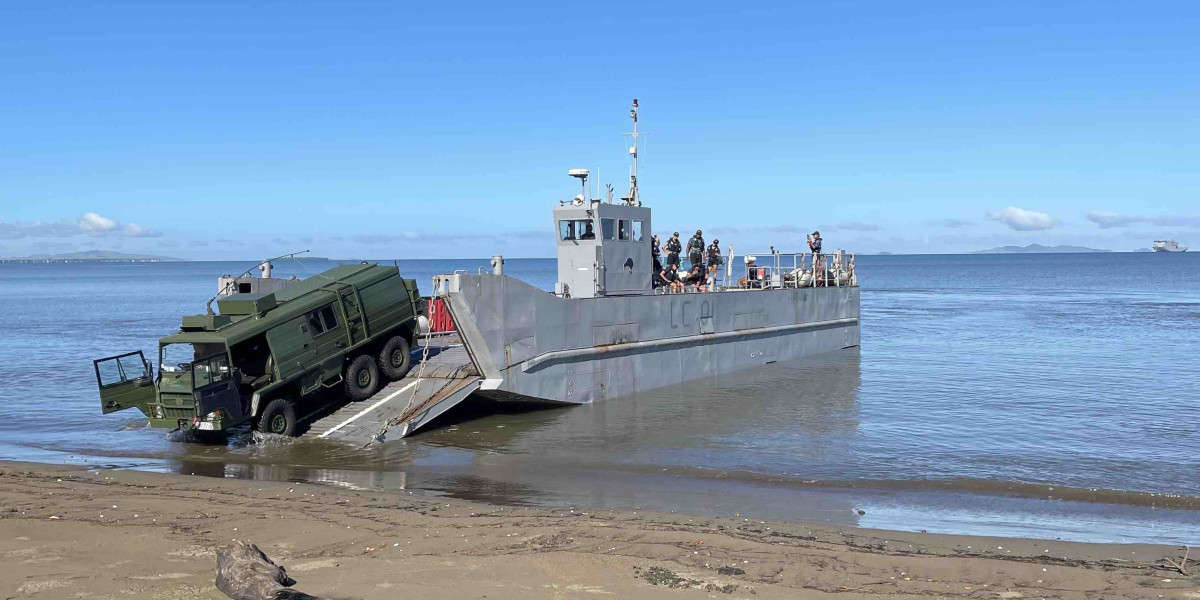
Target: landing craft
(606,331)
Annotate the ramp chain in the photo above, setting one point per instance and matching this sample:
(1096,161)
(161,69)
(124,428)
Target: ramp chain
(379,435)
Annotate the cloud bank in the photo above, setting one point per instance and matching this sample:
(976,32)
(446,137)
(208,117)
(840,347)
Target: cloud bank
(1111,220)
(89,224)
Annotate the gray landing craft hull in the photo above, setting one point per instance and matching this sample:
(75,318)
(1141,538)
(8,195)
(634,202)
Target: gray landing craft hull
(528,342)
(519,342)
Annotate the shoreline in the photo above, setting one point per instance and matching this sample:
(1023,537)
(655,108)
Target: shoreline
(58,525)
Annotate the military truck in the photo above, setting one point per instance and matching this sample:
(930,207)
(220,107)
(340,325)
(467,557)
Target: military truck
(267,358)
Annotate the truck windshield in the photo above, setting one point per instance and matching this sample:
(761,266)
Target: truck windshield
(176,357)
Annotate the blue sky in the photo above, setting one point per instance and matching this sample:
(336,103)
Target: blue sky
(360,129)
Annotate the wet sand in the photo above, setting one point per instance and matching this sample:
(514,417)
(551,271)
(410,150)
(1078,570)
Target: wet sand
(66,532)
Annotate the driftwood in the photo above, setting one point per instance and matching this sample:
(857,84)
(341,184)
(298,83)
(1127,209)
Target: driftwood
(245,573)
(1180,566)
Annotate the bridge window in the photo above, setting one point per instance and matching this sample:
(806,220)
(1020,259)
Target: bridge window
(576,229)
(623,227)
(608,225)
(637,231)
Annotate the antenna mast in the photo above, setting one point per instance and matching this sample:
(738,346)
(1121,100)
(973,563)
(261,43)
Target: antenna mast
(633,199)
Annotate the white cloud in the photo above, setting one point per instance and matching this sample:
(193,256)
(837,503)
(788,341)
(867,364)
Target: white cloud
(1021,219)
(90,224)
(94,223)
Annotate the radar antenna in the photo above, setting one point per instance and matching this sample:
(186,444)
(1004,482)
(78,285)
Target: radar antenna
(633,198)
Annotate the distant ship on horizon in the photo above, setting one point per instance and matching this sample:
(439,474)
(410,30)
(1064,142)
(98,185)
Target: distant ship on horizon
(1168,246)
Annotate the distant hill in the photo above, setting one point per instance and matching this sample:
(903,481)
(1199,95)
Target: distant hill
(1143,250)
(1037,249)
(92,256)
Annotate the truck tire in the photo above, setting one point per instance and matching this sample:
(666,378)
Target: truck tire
(279,418)
(362,378)
(395,358)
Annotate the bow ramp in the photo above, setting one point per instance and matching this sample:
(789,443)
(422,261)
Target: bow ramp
(445,378)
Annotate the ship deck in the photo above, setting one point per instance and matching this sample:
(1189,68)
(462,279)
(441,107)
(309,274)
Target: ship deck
(446,378)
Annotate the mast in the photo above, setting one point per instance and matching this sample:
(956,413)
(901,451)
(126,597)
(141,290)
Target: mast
(633,199)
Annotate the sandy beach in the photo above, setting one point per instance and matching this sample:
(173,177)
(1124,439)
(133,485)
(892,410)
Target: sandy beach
(66,532)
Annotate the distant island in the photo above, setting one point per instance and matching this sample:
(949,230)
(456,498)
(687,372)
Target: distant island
(89,256)
(1037,249)
(1143,250)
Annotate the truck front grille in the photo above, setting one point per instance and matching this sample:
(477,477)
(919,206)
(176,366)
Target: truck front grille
(178,413)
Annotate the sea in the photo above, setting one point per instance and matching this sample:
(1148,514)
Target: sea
(1049,396)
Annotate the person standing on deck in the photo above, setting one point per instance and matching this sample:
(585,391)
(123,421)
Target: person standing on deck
(714,260)
(673,249)
(655,253)
(695,250)
(814,244)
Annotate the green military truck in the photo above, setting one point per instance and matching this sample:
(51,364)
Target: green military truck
(267,358)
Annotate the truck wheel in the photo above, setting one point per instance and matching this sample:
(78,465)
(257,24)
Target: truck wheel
(395,358)
(279,418)
(362,378)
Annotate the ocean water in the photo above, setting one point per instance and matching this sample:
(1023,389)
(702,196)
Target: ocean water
(1034,395)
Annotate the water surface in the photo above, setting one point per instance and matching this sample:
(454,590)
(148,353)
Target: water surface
(1002,394)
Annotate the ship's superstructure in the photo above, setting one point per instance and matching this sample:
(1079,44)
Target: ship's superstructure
(606,331)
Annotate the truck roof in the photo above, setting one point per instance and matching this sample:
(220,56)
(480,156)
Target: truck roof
(293,300)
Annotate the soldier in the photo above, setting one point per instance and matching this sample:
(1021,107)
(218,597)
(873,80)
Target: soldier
(714,259)
(655,251)
(695,277)
(814,242)
(670,276)
(673,248)
(695,249)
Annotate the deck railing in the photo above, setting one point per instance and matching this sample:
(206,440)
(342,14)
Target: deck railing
(774,270)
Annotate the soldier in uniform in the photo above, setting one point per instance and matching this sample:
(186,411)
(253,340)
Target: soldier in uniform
(670,276)
(695,250)
(673,249)
(714,260)
(655,253)
(695,277)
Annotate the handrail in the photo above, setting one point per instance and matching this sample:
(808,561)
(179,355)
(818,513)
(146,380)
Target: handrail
(799,269)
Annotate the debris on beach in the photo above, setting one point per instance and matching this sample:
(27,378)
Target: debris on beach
(245,573)
(667,577)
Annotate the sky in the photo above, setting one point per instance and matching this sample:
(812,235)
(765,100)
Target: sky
(240,130)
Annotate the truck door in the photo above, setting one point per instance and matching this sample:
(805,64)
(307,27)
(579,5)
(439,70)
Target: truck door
(125,381)
(329,340)
(214,385)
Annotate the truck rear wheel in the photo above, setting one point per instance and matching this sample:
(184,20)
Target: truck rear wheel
(395,358)
(362,378)
(279,418)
